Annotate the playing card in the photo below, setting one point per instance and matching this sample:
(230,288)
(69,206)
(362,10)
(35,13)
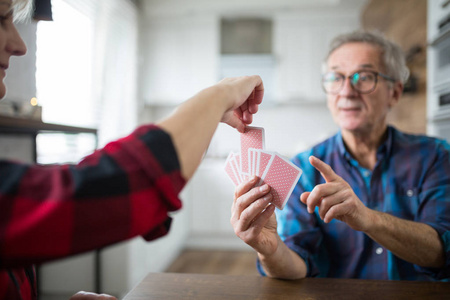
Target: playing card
(236,165)
(230,169)
(263,161)
(252,160)
(282,176)
(253,137)
(237,157)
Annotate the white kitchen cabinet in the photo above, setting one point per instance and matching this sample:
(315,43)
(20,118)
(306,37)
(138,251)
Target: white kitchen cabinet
(181,52)
(301,42)
(212,195)
(180,57)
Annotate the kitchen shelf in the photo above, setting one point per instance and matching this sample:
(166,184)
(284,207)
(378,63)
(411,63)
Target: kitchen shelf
(23,125)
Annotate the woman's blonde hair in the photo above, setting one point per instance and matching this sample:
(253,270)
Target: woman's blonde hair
(22,9)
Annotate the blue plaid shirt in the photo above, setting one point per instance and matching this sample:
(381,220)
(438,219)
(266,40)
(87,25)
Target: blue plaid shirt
(411,180)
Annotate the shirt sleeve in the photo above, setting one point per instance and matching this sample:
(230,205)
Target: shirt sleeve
(118,192)
(435,204)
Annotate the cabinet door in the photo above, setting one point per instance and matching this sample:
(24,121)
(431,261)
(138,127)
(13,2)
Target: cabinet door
(211,197)
(301,43)
(180,57)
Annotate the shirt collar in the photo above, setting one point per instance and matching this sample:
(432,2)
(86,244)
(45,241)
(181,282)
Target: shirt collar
(386,147)
(340,144)
(383,150)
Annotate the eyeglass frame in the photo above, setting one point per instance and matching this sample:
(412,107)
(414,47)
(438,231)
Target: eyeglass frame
(384,76)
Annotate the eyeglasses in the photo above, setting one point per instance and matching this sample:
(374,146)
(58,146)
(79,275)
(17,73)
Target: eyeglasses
(363,82)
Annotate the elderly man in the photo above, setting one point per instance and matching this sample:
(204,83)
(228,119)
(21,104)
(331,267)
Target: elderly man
(373,202)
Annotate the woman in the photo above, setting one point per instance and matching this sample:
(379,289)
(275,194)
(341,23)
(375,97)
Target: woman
(121,191)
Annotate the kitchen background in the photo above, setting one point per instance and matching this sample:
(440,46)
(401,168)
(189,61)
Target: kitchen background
(131,62)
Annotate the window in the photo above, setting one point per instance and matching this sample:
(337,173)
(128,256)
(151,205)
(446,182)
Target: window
(86,76)
(64,67)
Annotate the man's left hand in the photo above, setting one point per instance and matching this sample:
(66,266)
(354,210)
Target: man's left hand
(336,199)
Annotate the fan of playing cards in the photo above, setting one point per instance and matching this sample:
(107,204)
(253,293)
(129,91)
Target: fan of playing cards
(279,173)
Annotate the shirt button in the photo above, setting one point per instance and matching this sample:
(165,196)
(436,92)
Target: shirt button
(410,193)
(379,250)
(366,174)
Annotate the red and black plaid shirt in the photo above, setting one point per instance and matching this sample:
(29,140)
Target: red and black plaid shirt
(47,212)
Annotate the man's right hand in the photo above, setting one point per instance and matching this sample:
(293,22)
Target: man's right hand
(253,218)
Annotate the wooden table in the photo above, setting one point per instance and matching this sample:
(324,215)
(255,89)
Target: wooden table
(195,286)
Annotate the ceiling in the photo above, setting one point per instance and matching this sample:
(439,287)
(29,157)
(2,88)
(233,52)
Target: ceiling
(154,8)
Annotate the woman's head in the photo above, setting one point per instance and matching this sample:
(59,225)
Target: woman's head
(11,44)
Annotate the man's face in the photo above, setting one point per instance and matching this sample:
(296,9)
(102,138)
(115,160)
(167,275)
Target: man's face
(350,109)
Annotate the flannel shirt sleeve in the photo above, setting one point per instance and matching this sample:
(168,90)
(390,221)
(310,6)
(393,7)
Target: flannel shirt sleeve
(118,192)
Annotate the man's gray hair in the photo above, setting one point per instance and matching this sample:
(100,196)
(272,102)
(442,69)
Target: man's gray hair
(392,55)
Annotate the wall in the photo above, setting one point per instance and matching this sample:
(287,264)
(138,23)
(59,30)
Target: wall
(405,22)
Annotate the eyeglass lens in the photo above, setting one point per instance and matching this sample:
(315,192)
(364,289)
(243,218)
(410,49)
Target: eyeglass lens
(363,81)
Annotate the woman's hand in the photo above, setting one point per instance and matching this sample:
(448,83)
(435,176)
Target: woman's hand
(243,96)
